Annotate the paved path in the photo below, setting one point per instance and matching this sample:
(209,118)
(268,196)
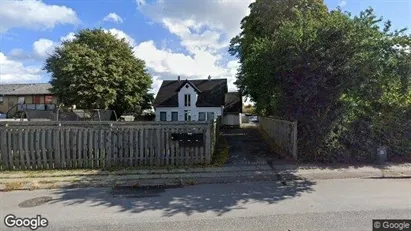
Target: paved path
(247,146)
(303,205)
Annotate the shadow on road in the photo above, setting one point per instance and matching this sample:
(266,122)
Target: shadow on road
(217,198)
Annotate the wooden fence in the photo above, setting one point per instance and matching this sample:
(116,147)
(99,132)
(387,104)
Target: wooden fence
(57,145)
(282,132)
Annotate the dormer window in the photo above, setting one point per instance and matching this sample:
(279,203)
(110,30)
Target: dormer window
(187,100)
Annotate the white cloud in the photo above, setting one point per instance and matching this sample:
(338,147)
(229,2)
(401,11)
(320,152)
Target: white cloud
(113,17)
(42,48)
(121,35)
(15,72)
(204,29)
(164,61)
(140,2)
(32,14)
(191,38)
(69,37)
(223,16)
(156,84)
(342,3)
(19,54)
(165,65)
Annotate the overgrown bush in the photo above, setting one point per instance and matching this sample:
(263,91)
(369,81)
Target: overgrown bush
(344,78)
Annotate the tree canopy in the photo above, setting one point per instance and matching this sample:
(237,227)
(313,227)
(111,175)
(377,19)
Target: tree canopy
(328,70)
(97,70)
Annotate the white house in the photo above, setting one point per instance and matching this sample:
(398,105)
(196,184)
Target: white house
(194,100)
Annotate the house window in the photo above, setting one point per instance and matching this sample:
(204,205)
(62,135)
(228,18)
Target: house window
(187,100)
(36,99)
(187,115)
(174,116)
(48,99)
(210,116)
(163,116)
(20,100)
(201,116)
(1,99)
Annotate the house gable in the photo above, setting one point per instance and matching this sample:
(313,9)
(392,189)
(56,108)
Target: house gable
(210,93)
(189,90)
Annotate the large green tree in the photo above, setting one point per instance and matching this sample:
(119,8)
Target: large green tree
(327,70)
(97,70)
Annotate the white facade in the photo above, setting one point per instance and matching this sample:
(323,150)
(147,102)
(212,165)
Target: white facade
(193,109)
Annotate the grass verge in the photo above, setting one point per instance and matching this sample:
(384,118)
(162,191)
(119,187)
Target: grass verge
(221,153)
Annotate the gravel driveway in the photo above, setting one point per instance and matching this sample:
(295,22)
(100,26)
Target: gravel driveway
(247,146)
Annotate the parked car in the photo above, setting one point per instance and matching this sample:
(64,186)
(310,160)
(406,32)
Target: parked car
(253,119)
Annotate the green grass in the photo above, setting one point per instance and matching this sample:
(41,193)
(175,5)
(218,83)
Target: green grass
(221,153)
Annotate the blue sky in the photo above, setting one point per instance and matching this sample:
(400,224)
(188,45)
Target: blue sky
(174,37)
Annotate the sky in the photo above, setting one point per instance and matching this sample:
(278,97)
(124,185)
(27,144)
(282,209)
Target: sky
(189,38)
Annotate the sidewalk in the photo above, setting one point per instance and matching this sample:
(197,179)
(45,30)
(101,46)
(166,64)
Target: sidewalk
(30,180)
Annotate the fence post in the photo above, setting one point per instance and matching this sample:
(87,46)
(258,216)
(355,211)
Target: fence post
(158,148)
(56,148)
(4,152)
(208,143)
(295,156)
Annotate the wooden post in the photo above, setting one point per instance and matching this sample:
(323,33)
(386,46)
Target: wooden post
(158,147)
(4,152)
(56,147)
(62,147)
(9,149)
(109,151)
(79,148)
(208,144)
(131,146)
(67,151)
(27,149)
(102,152)
(141,146)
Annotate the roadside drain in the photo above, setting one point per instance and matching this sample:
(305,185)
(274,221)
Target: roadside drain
(35,202)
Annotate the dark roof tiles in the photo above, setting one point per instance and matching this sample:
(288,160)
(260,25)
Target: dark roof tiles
(211,92)
(25,89)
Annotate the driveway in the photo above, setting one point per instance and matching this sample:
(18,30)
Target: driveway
(247,146)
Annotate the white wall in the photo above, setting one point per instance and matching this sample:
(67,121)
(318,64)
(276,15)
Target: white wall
(218,111)
(194,112)
(184,91)
(232,119)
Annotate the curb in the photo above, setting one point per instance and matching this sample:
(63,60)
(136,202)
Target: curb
(139,180)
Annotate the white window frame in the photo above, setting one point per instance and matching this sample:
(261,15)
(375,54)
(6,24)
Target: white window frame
(174,112)
(187,115)
(205,116)
(165,117)
(187,100)
(208,116)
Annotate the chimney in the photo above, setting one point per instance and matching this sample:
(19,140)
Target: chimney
(178,78)
(209,77)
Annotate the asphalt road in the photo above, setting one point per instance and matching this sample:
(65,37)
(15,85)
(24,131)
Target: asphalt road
(348,204)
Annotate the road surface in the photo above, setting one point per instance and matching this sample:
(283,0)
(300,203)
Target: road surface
(348,204)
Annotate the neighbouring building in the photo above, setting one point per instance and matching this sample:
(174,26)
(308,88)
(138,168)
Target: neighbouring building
(196,100)
(19,97)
